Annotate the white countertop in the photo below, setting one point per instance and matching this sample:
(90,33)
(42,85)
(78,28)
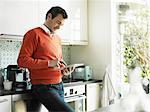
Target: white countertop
(112,108)
(117,107)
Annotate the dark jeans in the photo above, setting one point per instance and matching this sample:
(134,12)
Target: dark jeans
(52,97)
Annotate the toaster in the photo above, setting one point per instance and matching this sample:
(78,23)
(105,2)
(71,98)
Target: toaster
(82,73)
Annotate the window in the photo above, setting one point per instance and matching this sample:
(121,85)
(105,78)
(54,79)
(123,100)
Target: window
(131,40)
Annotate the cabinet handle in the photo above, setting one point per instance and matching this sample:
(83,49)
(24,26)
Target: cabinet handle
(4,100)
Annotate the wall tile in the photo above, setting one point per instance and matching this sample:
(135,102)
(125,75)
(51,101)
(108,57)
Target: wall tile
(9,50)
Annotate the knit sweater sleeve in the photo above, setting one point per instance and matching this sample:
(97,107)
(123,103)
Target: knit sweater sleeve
(25,57)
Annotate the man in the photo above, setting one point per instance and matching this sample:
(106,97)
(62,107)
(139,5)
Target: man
(41,53)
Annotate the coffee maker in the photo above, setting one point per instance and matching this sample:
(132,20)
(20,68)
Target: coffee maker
(18,76)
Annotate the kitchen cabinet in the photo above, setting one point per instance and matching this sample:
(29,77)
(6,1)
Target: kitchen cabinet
(5,103)
(1,5)
(26,103)
(92,96)
(74,29)
(18,16)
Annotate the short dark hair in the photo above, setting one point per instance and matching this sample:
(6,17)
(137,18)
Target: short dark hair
(57,10)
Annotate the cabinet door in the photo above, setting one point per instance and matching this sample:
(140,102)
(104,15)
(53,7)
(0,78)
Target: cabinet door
(18,16)
(93,96)
(5,103)
(1,14)
(79,20)
(45,5)
(75,27)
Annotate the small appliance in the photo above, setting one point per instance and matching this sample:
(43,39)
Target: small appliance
(82,73)
(18,76)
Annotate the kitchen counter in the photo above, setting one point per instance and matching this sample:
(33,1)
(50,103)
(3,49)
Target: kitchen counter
(123,105)
(112,108)
(66,84)
(7,92)
(117,108)
(79,82)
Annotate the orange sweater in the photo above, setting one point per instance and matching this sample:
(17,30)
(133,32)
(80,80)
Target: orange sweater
(37,48)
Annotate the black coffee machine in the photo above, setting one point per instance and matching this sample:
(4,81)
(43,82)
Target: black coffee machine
(18,76)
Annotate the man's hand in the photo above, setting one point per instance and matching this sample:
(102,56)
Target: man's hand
(67,70)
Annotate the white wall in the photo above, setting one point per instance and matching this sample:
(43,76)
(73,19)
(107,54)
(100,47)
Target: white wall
(98,52)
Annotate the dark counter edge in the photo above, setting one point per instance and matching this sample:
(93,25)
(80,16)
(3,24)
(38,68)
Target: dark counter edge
(4,92)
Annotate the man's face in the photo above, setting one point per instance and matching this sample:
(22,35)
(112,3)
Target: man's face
(55,23)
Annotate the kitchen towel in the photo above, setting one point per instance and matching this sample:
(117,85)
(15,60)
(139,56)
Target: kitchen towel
(108,90)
